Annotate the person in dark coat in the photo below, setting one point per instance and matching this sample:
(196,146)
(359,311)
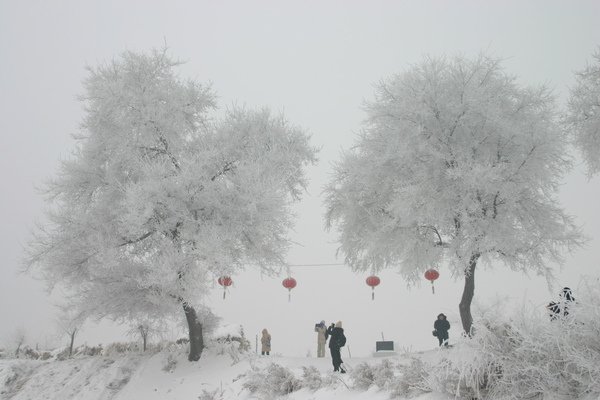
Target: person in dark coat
(337,340)
(566,298)
(441,327)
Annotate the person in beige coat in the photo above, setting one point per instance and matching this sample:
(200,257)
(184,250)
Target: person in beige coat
(265,341)
(321,330)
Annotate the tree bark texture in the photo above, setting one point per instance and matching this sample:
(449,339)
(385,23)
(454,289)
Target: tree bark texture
(467,296)
(195,330)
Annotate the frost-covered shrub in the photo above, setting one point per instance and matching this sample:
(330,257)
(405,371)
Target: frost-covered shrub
(121,348)
(62,354)
(231,333)
(29,353)
(362,376)
(312,378)
(230,348)
(230,340)
(86,350)
(412,380)
(274,381)
(382,375)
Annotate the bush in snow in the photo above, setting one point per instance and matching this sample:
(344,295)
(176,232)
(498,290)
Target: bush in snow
(230,340)
(274,381)
(364,375)
(412,380)
(32,354)
(312,378)
(86,350)
(384,374)
(121,348)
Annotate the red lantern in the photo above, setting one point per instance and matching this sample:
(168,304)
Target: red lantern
(432,275)
(225,281)
(289,284)
(373,281)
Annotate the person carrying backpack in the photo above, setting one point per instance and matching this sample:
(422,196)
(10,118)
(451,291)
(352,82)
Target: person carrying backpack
(336,342)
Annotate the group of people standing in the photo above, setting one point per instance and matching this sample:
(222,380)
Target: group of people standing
(335,334)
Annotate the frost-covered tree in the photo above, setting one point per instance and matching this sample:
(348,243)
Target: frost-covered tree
(583,116)
(456,163)
(17,339)
(159,198)
(69,322)
(146,328)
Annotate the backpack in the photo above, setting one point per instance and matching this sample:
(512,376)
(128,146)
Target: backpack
(342,340)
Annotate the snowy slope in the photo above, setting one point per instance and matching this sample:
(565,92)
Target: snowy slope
(166,375)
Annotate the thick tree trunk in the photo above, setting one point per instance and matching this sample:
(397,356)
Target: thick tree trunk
(195,328)
(467,296)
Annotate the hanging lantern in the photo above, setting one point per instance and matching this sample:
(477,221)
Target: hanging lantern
(373,281)
(225,281)
(432,275)
(289,284)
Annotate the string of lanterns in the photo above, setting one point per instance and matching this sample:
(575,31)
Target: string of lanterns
(289,283)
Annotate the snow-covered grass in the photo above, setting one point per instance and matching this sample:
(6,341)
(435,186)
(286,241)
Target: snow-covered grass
(167,375)
(523,357)
(441,374)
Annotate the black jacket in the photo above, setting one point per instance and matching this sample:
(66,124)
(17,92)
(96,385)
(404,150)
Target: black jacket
(441,325)
(337,338)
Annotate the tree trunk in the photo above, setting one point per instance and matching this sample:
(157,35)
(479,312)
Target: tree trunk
(467,296)
(73,332)
(144,339)
(195,328)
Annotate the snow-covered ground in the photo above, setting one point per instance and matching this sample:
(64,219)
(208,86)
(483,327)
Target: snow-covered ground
(167,375)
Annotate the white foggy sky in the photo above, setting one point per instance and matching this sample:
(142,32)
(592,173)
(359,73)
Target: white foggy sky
(314,60)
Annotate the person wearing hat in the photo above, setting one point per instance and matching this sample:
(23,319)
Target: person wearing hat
(322,334)
(441,327)
(337,341)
